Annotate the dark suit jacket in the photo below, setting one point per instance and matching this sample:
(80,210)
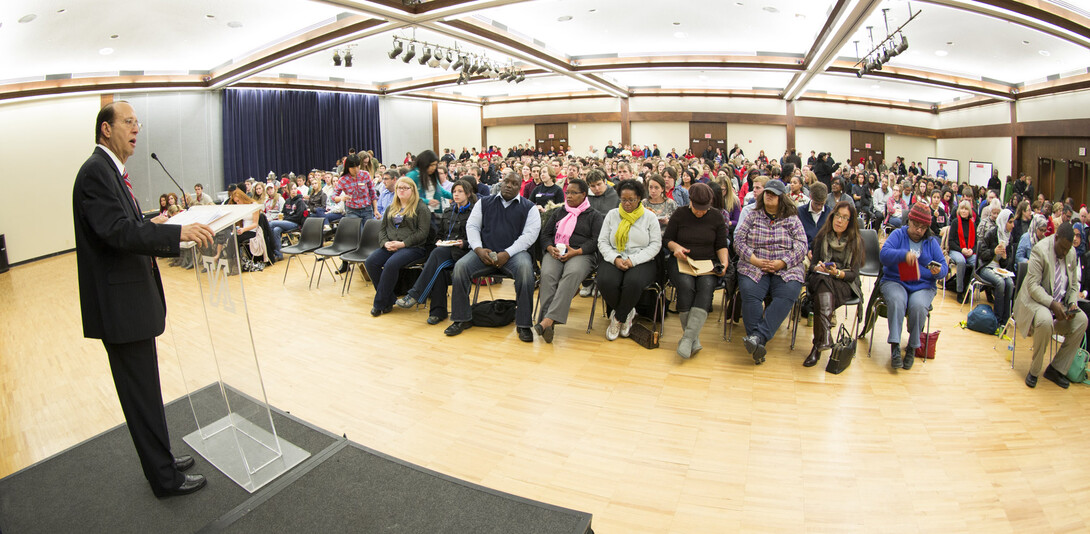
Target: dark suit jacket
(121,294)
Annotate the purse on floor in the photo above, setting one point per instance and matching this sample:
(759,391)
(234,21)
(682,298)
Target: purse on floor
(929,339)
(648,338)
(843,352)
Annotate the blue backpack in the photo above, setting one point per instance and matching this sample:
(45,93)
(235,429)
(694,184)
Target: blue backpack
(982,319)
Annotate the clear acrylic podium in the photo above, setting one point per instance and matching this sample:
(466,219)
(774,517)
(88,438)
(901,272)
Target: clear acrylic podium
(214,344)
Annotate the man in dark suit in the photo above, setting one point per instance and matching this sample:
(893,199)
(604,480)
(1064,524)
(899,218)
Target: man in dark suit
(121,294)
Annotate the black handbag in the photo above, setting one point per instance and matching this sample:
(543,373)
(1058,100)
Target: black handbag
(843,352)
(494,313)
(649,338)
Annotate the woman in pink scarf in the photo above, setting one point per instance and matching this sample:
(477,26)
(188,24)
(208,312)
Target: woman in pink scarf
(570,240)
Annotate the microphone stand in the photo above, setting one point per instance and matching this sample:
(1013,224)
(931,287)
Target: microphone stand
(185,202)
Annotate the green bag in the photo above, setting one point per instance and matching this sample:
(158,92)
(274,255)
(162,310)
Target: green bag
(1077,371)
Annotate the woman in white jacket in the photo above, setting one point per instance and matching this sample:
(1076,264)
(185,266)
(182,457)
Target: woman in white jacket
(629,243)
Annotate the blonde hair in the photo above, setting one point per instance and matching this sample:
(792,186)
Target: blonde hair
(407,209)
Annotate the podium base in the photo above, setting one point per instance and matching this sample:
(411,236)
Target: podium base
(245,452)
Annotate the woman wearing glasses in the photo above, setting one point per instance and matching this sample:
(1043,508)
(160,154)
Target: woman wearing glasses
(834,273)
(402,236)
(570,241)
(629,242)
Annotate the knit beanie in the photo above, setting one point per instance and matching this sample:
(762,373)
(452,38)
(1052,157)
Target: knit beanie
(920,213)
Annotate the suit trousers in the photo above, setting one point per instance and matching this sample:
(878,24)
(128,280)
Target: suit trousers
(1044,327)
(559,283)
(135,367)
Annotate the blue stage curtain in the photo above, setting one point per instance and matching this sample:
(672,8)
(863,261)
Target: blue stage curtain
(294,131)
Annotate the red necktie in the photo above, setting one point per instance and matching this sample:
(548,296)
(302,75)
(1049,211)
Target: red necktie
(128,184)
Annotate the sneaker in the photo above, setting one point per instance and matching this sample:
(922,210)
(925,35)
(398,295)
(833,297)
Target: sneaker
(585,291)
(614,328)
(627,326)
(406,302)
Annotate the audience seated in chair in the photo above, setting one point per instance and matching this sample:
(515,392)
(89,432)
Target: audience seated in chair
(500,230)
(1047,305)
(570,240)
(912,261)
(699,233)
(961,241)
(834,273)
(401,237)
(995,252)
(771,246)
(629,243)
(293,213)
(451,245)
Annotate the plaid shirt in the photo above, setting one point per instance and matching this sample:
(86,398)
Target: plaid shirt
(783,239)
(361,192)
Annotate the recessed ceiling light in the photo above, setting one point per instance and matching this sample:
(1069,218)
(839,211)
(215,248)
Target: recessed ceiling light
(1025,42)
(27,18)
(941,53)
(949,43)
(234,24)
(592,10)
(564,18)
(114,36)
(61,10)
(106,51)
(209,16)
(1044,53)
(739,4)
(770,9)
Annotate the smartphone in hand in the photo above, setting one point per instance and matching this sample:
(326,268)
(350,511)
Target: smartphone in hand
(934,264)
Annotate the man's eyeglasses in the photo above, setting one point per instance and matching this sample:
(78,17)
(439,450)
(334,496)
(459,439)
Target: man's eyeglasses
(131,122)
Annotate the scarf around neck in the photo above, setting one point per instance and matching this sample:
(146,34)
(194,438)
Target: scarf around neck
(566,226)
(627,220)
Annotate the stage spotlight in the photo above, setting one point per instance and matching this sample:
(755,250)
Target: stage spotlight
(336,58)
(409,54)
(520,77)
(903,45)
(425,56)
(348,58)
(460,63)
(447,60)
(397,49)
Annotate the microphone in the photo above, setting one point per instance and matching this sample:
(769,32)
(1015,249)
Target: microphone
(185,202)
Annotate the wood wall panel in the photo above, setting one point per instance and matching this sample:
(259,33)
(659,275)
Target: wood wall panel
(561,117)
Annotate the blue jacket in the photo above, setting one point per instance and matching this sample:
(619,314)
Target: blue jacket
(894,252)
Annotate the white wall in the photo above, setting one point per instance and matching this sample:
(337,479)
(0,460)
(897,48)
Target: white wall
(753,138)
(996,150)
(709,104)
(553,107)
(865,113)
(911,148)
(406,127)
(1056,107)
(999,113)
(459,126)
(45,144)
(839,142)
(667,135)
(508,136)
(581,135)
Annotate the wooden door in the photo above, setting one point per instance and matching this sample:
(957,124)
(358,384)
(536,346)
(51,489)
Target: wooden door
(551,136)
(867,145)
(713,134)
(1076,183)
(1045,177)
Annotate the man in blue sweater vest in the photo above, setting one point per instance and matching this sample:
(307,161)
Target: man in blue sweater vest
(501,228)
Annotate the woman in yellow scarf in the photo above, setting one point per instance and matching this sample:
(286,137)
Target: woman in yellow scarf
(629,243)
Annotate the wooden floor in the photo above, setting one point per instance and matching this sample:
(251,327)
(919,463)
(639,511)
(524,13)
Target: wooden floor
(642,440)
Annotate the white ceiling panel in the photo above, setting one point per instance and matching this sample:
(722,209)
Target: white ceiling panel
(67,36)
(533,85)
(883,89)
(703,79)
(646,27)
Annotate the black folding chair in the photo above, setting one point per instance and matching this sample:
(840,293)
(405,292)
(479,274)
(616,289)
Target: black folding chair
(346,239)
(310,239)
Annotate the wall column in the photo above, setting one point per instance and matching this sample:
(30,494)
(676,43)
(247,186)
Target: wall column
(626,124)
(790,124)
(435,126)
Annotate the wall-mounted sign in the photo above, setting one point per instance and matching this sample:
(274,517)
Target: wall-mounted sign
(551,136)
(866,145)
(707,136)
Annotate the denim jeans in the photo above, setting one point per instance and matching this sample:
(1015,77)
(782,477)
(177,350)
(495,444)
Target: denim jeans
(278,228)
(965,267)
(758,320)
(1003,293)
(360,213)
(520,267)
(899,304)
(384,267)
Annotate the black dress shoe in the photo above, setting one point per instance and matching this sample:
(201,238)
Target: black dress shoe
(909,359)
(895,359)
(525,334)
(436,319)
(191,484)
(812,359)
(1031,380)
(376,311)
(183,463)
(458,327)
(1056,377)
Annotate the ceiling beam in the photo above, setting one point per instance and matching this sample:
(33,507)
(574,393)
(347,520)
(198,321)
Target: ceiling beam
(1044,17)
(343,31)
(931,79)
(846,19)
(784,63)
